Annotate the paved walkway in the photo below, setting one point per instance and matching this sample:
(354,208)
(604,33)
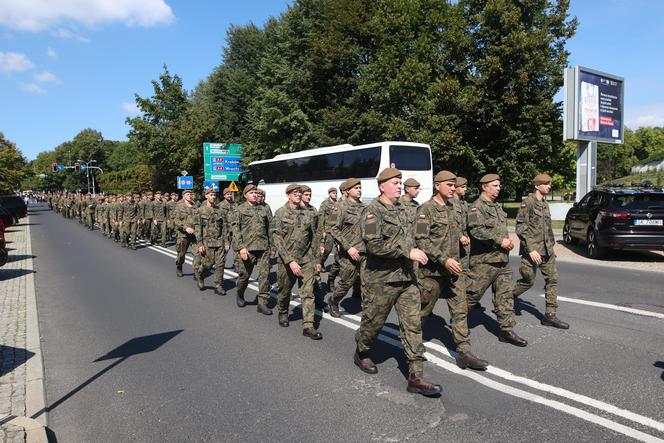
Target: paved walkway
(21,369)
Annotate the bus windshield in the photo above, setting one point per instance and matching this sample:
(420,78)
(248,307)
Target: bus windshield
(410,158)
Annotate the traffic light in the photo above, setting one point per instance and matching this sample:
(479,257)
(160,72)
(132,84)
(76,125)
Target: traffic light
(54,167)
(77,166)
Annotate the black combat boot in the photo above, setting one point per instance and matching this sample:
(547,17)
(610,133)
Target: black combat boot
(219,290)
(178,271)
(552,320)
(263,309)
(241,302)
(334,308)
(312,333)
(200,281)
(364,362)
(468,360)
(417,384)
(283,320)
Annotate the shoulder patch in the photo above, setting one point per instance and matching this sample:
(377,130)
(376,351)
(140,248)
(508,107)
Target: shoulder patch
(422,217)
(370,216)
(473,209)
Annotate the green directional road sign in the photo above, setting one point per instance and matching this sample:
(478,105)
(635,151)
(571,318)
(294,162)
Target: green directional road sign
(223,161)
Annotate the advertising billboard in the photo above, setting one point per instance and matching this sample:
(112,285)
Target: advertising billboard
(594,106)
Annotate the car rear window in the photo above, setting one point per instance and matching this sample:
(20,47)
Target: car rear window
(639,201)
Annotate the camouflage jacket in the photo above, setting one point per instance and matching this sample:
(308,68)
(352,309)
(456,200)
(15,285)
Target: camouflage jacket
(148,209)
(184,217)
(141,208)
(328,213)
(347,231)
(91,206)
(388,240)
(128,211)
(487,225)
(251,227)
(533,226)
(437,233)
(159,210)
(170,209)
(461,210)
(210,227)
(228,208)
(411,209)
(294,235)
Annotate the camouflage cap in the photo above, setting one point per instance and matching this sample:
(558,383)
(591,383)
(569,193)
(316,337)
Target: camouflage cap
(331,190)
(387,174)
(248,188)
(210,191)
(488,178)
(541,179)
(444,176)
(305,188)
(293,187)
(157,193)
(411,182)
(461,181)
(166,194)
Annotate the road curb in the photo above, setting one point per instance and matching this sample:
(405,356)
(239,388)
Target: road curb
(35,393)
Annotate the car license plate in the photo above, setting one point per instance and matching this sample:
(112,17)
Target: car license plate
(648,222)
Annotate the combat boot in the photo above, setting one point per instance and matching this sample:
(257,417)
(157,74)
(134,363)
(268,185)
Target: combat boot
(330,284)
(178,271)
(468,360)
(552,320)
(263,309)
(283,320)
(312,333)
(200,281)
(219,290)
(364,362)
(417,384)
(512,338)
(334,308)
(241,302)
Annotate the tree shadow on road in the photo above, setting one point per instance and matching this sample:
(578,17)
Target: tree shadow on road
(11,358)
(7,274)
(660,365)
(19,257)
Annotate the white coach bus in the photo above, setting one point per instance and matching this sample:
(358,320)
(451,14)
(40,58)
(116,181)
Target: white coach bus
(322,168)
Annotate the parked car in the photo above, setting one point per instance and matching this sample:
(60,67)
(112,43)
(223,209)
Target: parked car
(6,216)
(15,205)
(3,249)
(621,219)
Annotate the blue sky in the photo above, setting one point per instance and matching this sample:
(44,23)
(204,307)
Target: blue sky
(64,69)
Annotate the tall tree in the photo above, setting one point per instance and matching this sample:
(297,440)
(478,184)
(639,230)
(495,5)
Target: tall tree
(13,166)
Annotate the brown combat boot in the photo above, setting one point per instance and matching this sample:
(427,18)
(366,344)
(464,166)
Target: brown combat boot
(263,309)
(283,320)
(334,308)
(552,320)
(468,360)
(364,362)
(179,271)
(417,384)
(512,338)
(312,333)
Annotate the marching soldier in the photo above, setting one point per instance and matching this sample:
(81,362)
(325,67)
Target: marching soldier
(90,209)
(390,282)
(533,226)
(171,215)
(129,220)
(411,189)
(159,212)
(490,246)
(348,236)
(437,233)
(210,230)
(227,206)
(184,219)
(461,209)
(313,212)
(294,234)
(251,240)
(328,215)
(147,217)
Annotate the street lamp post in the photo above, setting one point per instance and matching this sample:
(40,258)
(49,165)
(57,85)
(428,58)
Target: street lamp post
(87,174)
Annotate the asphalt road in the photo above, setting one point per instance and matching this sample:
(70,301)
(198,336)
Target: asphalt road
(133,353)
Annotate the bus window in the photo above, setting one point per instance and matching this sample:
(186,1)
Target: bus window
(410,158)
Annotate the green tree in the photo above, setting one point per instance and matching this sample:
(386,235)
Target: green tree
(13,166)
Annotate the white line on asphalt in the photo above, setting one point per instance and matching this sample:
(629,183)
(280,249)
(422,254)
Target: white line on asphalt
(610,306)
(631,432)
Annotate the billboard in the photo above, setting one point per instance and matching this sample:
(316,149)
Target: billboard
(222,161)
(593,106)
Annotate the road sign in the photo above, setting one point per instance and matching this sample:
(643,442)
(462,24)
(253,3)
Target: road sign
(83,166)
(223,161)
(233,187)
(186,182)
(207,184)
(61,167)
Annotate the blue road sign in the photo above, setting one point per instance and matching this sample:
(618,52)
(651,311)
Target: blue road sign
(185,182)
(83,167)
(61,167)
(207,184)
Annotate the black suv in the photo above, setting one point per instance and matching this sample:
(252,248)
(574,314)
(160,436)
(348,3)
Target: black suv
(617,219)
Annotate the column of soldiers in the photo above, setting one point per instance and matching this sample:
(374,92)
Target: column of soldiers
(403,254)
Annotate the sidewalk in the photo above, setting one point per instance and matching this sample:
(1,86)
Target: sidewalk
(21,368)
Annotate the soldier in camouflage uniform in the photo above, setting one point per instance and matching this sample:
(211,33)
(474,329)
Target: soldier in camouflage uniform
(313,212)
(411,189)
(141,215)
(184,219)
(129,220)
(490,246)
(437,233)
(210,229)
(113,212)
(350,246)
(328,214)
(90,209)
(251,240)
(147,217)
(533,226)
(295,236)
(461,209)
(390,281)
(158,231)
(170,233)
(228,206)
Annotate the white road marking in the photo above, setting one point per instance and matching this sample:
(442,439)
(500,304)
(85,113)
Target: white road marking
(451,367)
(610,306)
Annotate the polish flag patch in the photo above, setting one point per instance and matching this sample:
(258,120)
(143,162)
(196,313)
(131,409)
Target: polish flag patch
(370,216)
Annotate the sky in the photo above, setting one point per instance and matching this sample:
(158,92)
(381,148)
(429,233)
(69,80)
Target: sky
(68,65)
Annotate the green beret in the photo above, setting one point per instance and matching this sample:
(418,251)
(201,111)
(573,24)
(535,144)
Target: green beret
(444,176)
(305,188)
(209,191)
(351,183)
(331,190)
(387,174)
(488,178)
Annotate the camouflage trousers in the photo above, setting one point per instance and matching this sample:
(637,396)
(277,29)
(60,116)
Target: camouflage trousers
(549,271)
(453,290)
(380,297)
(129,228)
(213,256)
(287,280)
(90,221)
(158,232)
(329,248)
(245,268)
(498,276)
(181,246)
(115,231)
(146,229)
(349,273)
